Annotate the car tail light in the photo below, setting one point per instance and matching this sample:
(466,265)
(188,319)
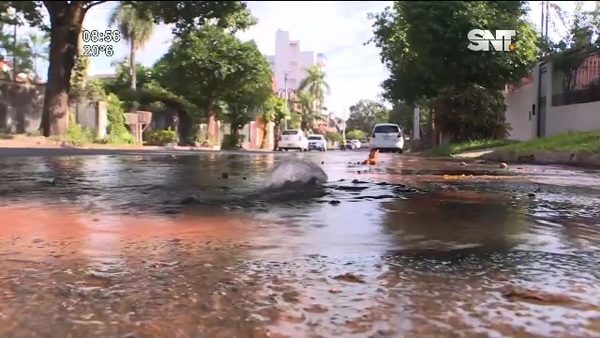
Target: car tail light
(399,135)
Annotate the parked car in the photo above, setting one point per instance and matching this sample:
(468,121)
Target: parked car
(355,144)
(387,137)
(317,142)
(293,139)
(364,143)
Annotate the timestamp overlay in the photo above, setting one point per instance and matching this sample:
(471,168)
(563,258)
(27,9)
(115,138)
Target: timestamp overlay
(98,42)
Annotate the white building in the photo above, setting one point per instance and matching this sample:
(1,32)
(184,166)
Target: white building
(290,60)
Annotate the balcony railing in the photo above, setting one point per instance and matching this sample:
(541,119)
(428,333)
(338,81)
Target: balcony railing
(590,94)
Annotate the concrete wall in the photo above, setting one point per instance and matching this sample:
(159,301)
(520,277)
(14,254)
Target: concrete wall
(520,111)
(575,117)
(557,120)
(21,107)
(92,115)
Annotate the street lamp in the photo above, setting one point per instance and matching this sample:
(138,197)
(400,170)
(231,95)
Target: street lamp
(285,93)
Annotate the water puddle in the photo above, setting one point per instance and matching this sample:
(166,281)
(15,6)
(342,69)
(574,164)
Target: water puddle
(136,246)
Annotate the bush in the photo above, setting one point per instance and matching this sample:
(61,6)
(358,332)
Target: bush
(77,135)
(333,137)
(117,131)
(162,137)
(356,135)
(232,141)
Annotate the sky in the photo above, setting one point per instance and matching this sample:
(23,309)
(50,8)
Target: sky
(338,29)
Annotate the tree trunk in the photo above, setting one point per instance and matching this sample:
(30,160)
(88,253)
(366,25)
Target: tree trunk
(264,135)
(132,64)
(213,128)
(276,135)
(66,20)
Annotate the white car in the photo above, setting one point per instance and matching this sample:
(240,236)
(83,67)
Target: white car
(293,139)
(355,144)
(387,137)
(317,142)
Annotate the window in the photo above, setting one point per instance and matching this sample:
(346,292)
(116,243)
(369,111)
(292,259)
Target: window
(386,129)
(289,132)
(315,137)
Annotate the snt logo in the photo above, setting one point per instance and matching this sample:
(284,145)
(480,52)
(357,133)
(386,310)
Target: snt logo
(481,39)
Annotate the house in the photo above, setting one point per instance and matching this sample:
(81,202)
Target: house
(257,128)
(541,107)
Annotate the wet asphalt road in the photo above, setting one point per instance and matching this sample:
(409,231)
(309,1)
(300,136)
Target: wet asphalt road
(115,246)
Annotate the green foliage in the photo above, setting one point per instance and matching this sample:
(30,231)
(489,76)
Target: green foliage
(356,135)
(274,109)
(209,67)
(315,85)
(424,46)
(117,131)
(79,78)
(585,142)
(77,135)
(153,94)
(310,115)
(403,115)
(333,137)
(66,19)
(237,116)
(365,114)
(122,81)
(580,41)
(466,146)
(162,137)
(472,113)
(232,141)
(135,24)
(189,15)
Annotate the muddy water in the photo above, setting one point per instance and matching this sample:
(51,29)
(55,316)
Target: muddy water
(104,247)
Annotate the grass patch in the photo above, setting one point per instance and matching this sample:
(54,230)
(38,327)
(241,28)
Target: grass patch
(457,148)
(584,142)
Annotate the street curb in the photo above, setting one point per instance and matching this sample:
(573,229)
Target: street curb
(575,159)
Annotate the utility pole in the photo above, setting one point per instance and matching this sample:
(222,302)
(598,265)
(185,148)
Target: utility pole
(344,124)
(547,17)
(285,78)
(416,123)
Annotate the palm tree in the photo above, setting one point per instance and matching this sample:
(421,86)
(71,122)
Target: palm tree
(39,45)
(308,114)
(315,84)
(136,27)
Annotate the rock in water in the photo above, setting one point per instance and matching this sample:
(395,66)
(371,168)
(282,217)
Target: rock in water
(296,174)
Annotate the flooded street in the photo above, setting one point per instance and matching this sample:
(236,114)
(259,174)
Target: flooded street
(186,246)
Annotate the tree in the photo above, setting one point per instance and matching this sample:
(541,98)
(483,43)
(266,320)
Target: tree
(424,46)
(38,44)
(274,111)
(356,134)
(209,67)
(314,83)
(575,47)
(19,48)
(365,114)
(66,18)
(309,116)
(136,28)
